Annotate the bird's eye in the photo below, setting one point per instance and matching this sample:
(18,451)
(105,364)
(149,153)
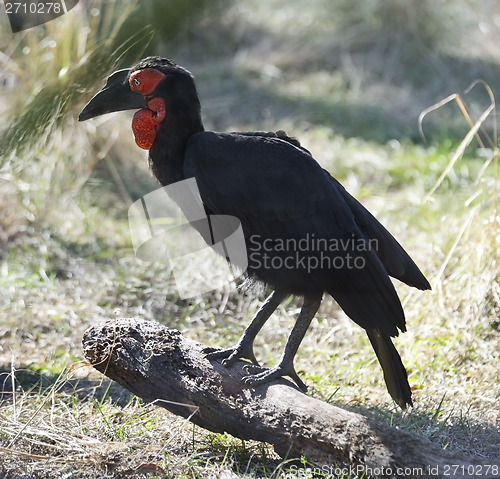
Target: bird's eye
(145,81)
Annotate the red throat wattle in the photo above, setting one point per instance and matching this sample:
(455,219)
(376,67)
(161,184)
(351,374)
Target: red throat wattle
(146,122)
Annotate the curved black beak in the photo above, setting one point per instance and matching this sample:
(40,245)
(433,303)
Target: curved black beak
(115,96)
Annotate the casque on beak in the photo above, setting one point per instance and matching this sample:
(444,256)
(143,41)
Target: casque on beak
(115,96)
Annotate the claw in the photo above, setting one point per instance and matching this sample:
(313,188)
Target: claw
(230,355)
(217,353)
(210,350)
(251,370)
(259,375)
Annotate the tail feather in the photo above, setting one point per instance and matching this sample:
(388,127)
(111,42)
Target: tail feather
(395,375)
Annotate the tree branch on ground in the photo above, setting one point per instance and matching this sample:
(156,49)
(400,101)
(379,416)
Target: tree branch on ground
(161,365)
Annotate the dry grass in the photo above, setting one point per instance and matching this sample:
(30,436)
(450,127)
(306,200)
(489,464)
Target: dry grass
(54,434)
(66,262)
(64,421)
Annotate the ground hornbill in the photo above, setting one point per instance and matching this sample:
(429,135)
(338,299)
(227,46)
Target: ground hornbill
(282,197)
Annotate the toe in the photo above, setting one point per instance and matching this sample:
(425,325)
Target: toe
(209,350)
(253,369)
(216,353)
(258,375)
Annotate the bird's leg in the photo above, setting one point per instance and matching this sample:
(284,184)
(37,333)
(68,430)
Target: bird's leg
(259,375)
(244,347)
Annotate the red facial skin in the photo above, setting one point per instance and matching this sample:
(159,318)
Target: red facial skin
(146,122)
(145,81)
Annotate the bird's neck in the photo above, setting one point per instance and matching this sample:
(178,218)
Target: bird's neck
(166,157)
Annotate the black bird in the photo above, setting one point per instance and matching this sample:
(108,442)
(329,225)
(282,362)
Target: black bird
(305,235)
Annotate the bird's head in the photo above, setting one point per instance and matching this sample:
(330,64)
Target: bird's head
(156,86)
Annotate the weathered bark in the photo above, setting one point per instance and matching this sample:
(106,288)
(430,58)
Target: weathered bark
(159,364)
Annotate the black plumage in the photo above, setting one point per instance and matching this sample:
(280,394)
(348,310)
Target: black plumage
(282,196)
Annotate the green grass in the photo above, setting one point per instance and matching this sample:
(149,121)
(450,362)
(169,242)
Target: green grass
(66,259)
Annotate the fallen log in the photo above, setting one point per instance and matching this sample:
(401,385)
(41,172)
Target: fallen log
(159,364)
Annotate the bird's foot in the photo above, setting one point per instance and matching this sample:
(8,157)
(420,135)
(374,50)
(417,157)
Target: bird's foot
(261,375)
(231,355)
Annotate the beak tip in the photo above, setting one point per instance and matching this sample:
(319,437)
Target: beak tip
(87,113)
